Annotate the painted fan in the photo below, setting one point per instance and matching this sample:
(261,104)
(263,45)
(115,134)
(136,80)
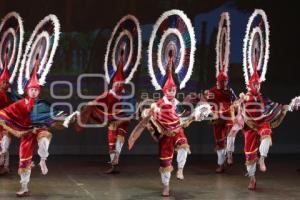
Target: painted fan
(172,32)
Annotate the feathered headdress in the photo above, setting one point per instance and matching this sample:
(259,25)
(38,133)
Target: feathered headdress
(256,48)
(11,43)
(42,44)
(123,53)
(223,47)
(173,31)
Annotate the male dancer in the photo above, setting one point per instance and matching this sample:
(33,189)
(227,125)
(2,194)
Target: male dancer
(114,108)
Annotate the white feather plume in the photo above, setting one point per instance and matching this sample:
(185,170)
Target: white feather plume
(56,25)
(225,18)
(202,111)
(69,118)
(295,104)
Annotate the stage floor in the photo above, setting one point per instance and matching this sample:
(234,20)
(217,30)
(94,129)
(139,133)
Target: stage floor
(81,177)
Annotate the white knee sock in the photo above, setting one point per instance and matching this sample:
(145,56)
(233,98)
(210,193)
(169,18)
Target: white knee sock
(181,157)
(264,146)
(165,178)
(25,177)
(112,156)
(230,144)
(251,169)
(221,156)
(5,143)
(43,146)
(115,155)
(119,145)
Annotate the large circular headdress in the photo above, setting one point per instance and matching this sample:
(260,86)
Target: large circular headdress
(256,46)
(126,37)
(173,31)
(40,48)
(223,44)
(11,41)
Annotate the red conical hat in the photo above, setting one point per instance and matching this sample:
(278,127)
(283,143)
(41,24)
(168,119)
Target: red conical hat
(5,73)
(119,76)
(170,81)
(254,79)
(255,76)
(222,76)
(34,82)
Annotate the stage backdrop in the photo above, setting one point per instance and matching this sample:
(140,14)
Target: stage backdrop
(86,28)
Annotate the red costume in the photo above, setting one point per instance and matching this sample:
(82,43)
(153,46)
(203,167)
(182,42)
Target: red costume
(172,136)
(260,114)
(11,37)
(171,48)
(221,97)
(5,100)
(166,127)
(221,101)
(117,129)
(260,129)
(30,117)
(115,108)
(108,109)
(16,119)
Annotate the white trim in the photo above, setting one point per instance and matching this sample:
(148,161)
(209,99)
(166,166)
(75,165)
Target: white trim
(139,48)
(21,31)
(167,101)
(190,29)
(225,18)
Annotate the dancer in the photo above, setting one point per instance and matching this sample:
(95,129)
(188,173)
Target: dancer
(115,108)
(222,96)
(11,33)
(259,113)
(162,118)
(30,117)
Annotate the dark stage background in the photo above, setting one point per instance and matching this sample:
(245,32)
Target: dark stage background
(86,27)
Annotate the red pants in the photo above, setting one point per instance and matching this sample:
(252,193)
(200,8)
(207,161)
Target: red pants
(220,133)
(115,131)
(167,145)
(252,141)
(27,146)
